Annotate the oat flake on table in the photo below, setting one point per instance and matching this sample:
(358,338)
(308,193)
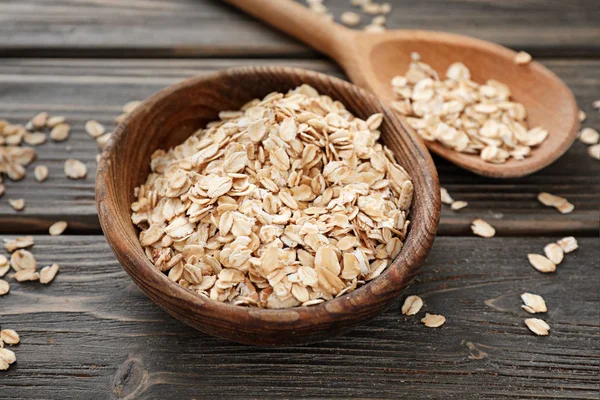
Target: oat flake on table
(75,169)
(538,326)
(554,253)
(21,242)
(433,320)
(41,173)
(9,336)
(541,263)
(533,303)
(47,274)
(4,287)
(23,260)
(57,228)
(568,244)
(256,209)
(482,228)
(412,305)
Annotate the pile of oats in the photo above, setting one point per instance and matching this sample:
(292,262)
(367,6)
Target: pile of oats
(24,263)
(464,115)
(289,201)
(14,159)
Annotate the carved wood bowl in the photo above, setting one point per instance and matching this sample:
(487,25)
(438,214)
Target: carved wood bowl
(168,118)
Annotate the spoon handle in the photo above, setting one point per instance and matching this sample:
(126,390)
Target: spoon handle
(299,22)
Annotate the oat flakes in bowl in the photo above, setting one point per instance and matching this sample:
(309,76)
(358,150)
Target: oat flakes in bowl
(277,213)
(289,201)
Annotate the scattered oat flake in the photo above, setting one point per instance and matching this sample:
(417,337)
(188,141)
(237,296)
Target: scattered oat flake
(445,196)
(4,287)
(75,169)
(560,203)
(538,326)
(39,121)
(18,243)
(372,28)
(4,265)
(522,58)
(594,151)
(433,320)
(130,106)
(57,228)
(565,208)
(17,204)
(596,104)
(60,132)
(350,18)
(23,260)
(554,253)
(371,8)
(9,336)
(533,303)
(582,115)
(35,138)
(120,118)
(589,136)
(458,205)
(103,140)
(568,244)
(379,20)
(94,128)
(541,263)
(47,274)
(412,305)
(53,121)
(41,173)
(26,275)
(482,228)
(7,355)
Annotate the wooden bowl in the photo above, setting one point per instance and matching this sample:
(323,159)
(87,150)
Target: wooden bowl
(173,114)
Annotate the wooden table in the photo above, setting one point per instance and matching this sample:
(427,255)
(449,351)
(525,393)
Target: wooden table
(93,335)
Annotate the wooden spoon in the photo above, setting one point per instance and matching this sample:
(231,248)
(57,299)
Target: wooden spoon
(371,60)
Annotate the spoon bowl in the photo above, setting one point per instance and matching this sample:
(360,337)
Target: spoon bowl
(371,60)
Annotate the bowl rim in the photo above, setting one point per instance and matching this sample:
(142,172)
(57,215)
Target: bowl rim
(391,280)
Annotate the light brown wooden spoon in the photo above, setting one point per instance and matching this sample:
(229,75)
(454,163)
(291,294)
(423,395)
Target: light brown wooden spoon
(371,60)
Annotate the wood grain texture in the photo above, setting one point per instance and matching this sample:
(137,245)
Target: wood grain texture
(92,334)
(96,89)
(184,28)
(172,115)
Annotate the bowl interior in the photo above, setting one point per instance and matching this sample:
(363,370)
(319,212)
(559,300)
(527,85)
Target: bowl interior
(168,118)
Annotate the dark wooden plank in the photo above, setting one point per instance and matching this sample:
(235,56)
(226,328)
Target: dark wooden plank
(184,28)
(86,89)
(93,334)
